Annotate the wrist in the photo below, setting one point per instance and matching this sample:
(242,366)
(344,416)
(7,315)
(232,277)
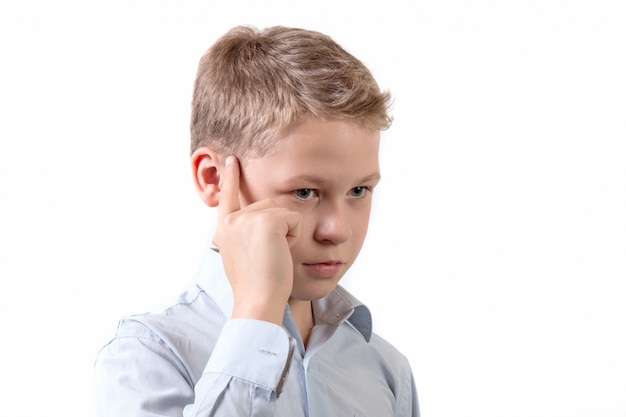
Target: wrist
(271,310)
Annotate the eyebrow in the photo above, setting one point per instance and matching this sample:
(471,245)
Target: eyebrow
(372,177)
(317,180)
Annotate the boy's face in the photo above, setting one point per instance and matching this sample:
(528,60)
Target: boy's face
(326,171)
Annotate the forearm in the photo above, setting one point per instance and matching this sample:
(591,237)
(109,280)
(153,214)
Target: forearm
(245,373)
(141,377)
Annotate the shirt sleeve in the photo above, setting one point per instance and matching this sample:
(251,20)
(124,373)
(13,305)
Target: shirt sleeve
(408,405)
(250,363)
(140,376)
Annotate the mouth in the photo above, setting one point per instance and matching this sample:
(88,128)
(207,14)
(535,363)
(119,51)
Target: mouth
(326,269)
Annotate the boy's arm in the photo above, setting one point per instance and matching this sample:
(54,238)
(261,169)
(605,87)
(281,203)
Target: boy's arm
(412,404)
(141,376)
(252,374)
(254,243)
(138,374)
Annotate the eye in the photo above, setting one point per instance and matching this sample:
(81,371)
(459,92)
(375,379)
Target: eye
(305,193)
(360,191)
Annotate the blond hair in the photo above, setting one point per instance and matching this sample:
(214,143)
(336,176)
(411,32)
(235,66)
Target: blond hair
(252,84)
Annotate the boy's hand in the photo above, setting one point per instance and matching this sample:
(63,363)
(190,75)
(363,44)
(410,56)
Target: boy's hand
(254,243)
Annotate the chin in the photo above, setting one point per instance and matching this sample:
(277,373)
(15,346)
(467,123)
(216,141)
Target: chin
(314,291)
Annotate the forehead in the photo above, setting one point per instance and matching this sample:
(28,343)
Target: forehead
(316,148)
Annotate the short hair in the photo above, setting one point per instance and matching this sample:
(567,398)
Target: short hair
(253,84)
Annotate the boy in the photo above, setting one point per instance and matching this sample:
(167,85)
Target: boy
(285,135)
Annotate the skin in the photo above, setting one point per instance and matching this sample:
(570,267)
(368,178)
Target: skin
(291,223)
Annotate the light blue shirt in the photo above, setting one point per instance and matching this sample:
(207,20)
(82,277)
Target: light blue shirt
(190,359)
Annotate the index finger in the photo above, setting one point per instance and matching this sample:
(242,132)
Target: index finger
(229,189)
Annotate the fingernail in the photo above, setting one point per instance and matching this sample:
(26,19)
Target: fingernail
(229,160)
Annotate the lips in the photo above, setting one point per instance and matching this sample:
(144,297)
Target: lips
(325,269)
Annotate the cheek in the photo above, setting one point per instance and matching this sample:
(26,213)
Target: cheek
(307,224)
(359,222)
(359,228)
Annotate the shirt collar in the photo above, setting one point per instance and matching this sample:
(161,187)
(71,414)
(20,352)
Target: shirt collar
(340,306)
(337,307)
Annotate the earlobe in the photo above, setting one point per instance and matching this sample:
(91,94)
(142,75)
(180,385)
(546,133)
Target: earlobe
(205,164)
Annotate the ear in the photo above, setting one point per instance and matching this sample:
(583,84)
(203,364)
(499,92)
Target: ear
(205,167)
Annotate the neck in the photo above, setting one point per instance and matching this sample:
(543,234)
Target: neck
(302,312)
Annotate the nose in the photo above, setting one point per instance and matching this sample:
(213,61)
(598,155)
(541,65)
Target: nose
(333,225)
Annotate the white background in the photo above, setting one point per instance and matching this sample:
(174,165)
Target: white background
(496,257)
